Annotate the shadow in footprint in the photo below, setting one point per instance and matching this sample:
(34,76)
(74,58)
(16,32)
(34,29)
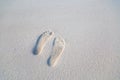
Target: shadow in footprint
(35,51)
(48,61)
(53,42)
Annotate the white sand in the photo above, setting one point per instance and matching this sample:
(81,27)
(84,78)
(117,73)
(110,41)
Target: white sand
(91,29)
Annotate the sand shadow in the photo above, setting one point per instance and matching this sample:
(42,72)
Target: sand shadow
(53,42)
(48,61)
(34,50)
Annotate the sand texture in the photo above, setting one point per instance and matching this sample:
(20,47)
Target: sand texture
(90,28)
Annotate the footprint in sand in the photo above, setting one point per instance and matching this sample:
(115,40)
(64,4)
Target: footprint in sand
(58,48)
(41,42)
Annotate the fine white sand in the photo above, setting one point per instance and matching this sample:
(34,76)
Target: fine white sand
(91,29)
